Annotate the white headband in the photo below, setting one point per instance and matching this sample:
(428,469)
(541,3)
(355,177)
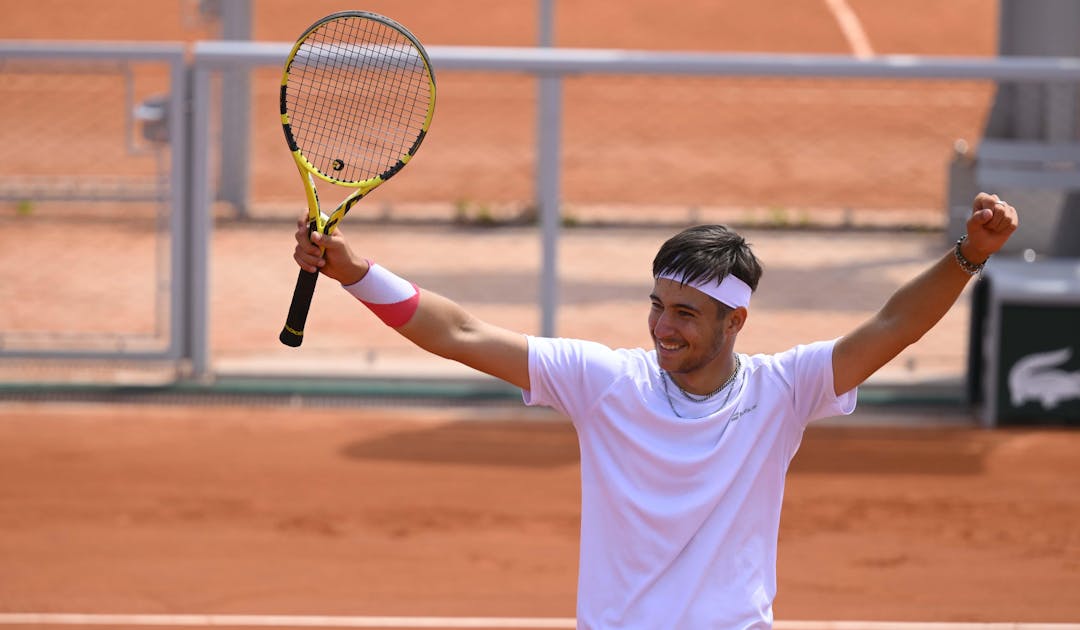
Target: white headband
(730,291)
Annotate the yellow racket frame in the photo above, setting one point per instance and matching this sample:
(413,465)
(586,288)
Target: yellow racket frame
(293,332)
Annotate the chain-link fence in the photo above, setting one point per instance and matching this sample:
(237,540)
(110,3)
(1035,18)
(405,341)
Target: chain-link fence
(667,149)
(107,139)
(91,200)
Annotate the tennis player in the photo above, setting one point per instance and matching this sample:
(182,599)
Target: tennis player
(684,447)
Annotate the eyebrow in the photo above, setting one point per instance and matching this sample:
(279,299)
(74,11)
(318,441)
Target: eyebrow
(689,307)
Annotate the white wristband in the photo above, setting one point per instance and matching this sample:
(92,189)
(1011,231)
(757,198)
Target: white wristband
(393,299)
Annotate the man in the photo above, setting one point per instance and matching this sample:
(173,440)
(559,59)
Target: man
(684,448)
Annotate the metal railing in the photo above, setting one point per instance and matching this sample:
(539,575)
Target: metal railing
(552,65)
(192,73)
(36,172)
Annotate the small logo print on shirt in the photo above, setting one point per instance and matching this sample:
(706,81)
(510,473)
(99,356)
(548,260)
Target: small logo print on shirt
(742,412)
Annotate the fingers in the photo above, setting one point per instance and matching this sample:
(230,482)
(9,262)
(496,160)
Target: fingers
(998,221)
(986,200)
(980,217)
(315,251)
(308,254)
(303,228)
(994,214)
(991,224)
(326,253)
(1004,219)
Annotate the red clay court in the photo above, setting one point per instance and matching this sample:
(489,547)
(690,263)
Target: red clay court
(200,507)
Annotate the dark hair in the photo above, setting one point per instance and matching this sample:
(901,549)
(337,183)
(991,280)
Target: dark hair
(707,252)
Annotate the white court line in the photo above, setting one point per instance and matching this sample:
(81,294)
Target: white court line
(310,621)
(281,621)
(918,625)
(851,27)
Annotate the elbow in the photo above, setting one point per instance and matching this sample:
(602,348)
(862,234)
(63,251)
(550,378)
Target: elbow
(454,342)
(903,330)
(907,338)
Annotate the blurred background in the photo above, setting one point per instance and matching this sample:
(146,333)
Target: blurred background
(147,198)
(147,211)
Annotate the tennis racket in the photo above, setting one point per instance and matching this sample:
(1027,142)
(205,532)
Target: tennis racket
(357,97)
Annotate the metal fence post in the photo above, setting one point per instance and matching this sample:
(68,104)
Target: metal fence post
(180,235)
(548,189)
(199,226)
(549,193)
(235,111)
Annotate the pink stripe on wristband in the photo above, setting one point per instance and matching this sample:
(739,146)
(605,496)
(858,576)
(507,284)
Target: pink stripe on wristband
(394,300)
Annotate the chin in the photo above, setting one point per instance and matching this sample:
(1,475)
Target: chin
(666,362)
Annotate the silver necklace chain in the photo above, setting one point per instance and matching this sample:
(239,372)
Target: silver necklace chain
(699,398)
(665,377)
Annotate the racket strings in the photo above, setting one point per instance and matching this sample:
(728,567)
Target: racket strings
(365,97)
(358,96)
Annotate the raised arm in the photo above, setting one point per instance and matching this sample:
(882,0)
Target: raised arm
(437,325)
(918,305)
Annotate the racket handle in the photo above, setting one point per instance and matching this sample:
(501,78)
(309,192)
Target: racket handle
(293,333)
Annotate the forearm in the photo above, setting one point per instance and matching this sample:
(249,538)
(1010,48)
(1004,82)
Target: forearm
(427,319)
(921,303)
(912,311)
(438,324)
(430,321)
(443,327)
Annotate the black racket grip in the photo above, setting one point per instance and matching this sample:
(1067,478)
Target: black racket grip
(293,333)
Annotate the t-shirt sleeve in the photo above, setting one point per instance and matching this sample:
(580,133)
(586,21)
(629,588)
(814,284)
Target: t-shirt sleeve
(808,370)
(570,375)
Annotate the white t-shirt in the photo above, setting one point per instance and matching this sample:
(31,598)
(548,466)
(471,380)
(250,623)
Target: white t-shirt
(680,516)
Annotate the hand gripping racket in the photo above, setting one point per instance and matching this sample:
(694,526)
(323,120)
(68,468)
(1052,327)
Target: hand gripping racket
(357,97)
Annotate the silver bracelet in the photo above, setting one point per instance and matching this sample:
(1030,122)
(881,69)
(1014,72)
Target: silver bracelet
(971,268)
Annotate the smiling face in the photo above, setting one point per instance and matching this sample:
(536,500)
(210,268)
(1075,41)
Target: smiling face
(694,335)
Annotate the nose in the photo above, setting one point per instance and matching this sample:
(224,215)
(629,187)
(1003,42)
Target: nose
(661,326)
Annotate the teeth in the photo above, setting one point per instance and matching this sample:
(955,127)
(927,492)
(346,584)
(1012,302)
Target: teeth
(668,347)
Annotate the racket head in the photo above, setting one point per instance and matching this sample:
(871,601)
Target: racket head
(357,98)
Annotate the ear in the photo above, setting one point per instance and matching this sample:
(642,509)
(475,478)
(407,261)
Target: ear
(736,319)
